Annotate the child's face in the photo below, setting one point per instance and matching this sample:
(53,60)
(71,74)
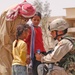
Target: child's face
(25,34)
(36,20)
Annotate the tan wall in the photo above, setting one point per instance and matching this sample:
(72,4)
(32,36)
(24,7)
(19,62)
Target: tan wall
(70,12)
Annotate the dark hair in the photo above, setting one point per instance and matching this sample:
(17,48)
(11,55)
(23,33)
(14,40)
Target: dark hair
(37,14)
(19,31)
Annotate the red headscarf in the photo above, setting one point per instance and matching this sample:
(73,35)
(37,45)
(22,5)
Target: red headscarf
(24,9)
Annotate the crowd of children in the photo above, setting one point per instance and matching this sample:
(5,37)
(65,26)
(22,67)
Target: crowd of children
(26,51)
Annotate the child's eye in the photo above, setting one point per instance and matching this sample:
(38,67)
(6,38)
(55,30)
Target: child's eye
(36,20)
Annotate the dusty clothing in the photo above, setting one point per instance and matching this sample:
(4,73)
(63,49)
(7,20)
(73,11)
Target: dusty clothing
(61,49)
(7,36)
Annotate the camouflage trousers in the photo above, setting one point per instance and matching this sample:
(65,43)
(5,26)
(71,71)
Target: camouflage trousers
(56,70)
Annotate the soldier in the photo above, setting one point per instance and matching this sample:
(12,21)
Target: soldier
(62,60)
(9,20)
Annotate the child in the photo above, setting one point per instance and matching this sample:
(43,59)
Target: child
(20,51)
(35,41)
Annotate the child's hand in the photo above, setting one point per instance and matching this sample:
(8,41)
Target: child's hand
(38,56)
(28,59)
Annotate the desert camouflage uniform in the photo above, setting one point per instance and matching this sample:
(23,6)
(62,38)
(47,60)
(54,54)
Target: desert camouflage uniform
(63,58)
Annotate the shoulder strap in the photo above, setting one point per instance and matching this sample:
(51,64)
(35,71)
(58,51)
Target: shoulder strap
(71,39)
